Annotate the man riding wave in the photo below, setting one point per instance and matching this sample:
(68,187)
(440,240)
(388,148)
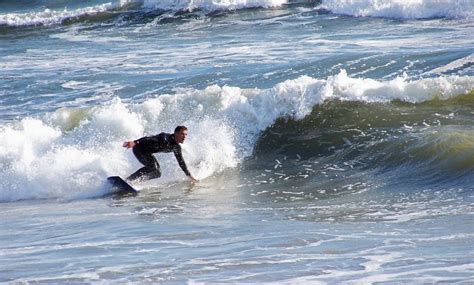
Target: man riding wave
(144,148)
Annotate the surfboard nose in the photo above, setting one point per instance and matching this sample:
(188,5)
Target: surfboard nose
(120,186)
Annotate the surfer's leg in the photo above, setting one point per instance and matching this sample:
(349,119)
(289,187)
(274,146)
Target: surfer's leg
(140,174)
(151,167)
(154,170)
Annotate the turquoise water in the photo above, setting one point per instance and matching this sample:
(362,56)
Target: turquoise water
(332,141)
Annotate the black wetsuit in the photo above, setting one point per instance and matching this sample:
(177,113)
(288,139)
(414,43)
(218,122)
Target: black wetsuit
(144,149)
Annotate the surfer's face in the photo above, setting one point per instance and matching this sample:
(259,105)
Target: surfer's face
(180,136)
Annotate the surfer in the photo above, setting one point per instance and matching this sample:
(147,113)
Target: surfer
(144,148)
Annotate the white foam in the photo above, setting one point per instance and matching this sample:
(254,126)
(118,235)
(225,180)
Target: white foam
(207,5)
(459,63)
(69,153)
(51,17)
(400,88)
(398,9)
(403,9)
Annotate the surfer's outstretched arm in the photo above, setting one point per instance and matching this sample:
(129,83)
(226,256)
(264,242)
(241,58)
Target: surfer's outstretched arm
(182,164)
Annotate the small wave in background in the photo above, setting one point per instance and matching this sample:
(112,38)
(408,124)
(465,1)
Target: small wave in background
(405,10)
(53,16)
(78,11)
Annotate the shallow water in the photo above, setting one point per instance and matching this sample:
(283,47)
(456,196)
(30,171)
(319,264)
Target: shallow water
(232,234)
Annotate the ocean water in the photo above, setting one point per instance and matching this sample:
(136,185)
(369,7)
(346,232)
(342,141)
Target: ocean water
(333,141)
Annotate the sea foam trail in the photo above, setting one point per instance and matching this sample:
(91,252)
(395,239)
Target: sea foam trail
(68,154)
(403,9)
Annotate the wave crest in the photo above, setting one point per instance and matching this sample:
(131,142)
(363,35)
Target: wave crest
(210,5)
(403,9)
(50,17)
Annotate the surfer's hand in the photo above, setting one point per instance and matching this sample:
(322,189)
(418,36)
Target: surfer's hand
(129,144)
(193,180)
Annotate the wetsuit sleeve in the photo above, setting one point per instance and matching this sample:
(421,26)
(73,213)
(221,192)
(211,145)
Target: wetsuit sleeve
(179,158)
(147,140)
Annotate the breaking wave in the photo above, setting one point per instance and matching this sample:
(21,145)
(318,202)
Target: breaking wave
(49,17)
(68,153)
(403,9)
(397,9)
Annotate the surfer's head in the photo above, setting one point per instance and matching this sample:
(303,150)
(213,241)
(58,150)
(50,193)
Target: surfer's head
(180,134)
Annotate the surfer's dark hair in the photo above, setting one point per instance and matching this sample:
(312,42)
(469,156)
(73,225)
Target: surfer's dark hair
(179,129)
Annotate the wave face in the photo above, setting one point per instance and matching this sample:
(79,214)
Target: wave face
(67,153)
(403,9)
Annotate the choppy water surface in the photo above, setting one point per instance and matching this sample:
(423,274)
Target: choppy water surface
(332,140)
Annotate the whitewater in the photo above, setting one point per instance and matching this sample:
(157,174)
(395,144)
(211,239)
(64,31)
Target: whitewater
(332,141)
